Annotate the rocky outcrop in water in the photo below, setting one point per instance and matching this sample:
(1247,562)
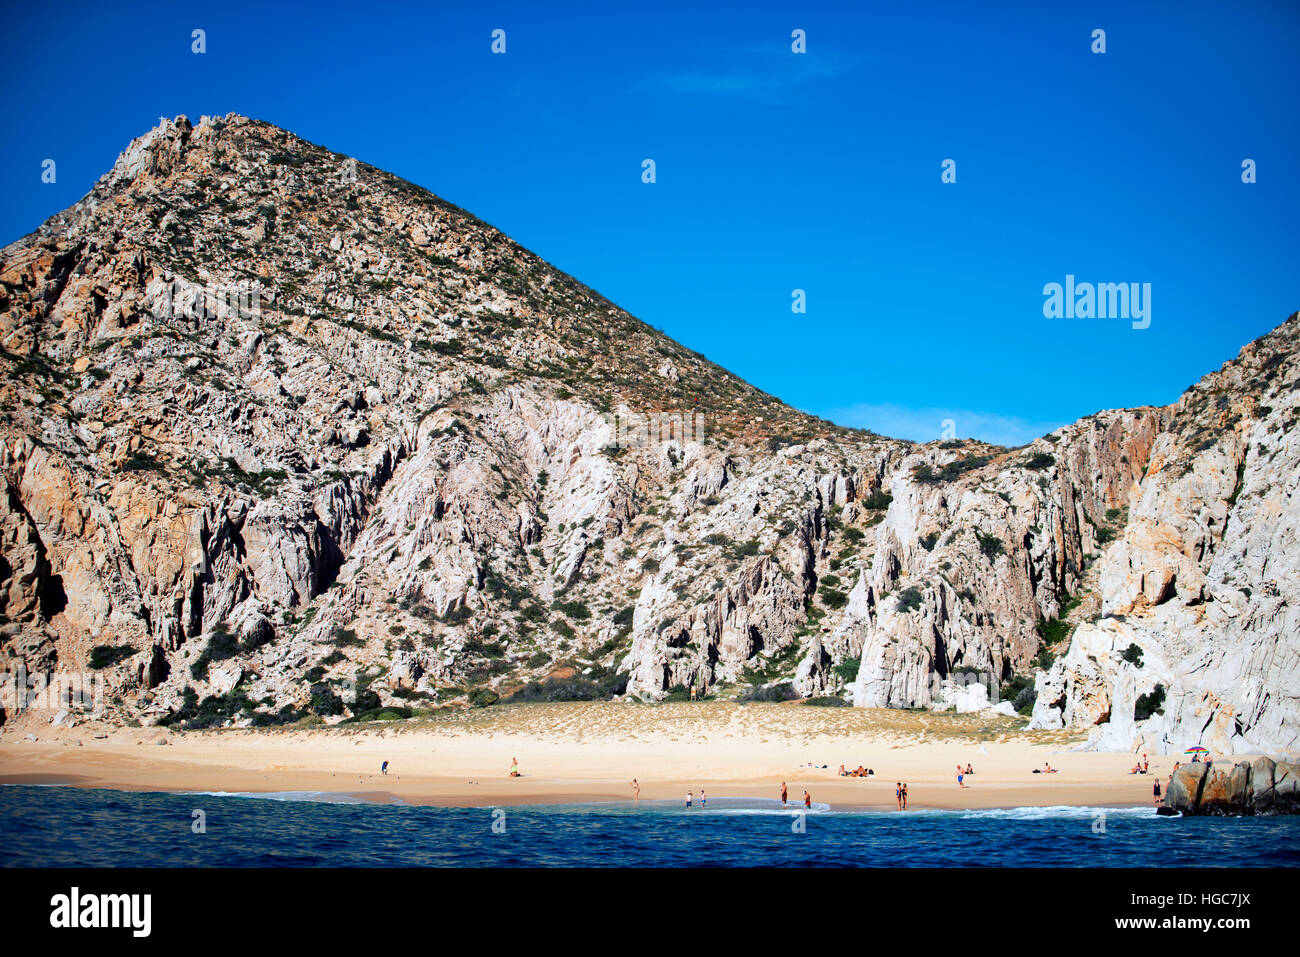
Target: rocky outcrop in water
(1259,787)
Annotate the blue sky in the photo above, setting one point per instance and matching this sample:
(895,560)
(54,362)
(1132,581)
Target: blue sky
(775,170)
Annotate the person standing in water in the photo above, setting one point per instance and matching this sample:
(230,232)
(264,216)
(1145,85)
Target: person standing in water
(636,790)
(703,800)
(807,800)
(689,798)
(784,796)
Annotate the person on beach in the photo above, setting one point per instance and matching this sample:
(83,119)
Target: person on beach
(784,796)
(807,800)
(703,798)
(689,797)
(898,794)
(636,790)
(960,777)
(904,795)
(1156,789)
(514,767)
(383,768)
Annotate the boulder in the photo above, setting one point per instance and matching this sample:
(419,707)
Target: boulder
(1259,787)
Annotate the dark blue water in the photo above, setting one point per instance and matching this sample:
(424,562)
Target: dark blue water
(60,826)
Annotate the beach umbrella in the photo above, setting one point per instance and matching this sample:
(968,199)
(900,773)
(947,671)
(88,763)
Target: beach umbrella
(1197,750)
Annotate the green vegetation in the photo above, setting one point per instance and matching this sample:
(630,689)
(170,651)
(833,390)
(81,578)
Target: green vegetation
(1053,630)
(877,501)
(990,545)
(949,472)
(909,599)
(777,692)
(572,609)
(1019,690)
(599,684)
(221,646)
(848,669)
(483,698)
(104,656)
(1149,704)
(141,461)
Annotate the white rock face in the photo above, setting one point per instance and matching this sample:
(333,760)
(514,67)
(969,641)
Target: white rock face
(1206,578)
(359,432)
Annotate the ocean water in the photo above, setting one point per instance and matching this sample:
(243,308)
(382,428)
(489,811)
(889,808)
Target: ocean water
(61,826)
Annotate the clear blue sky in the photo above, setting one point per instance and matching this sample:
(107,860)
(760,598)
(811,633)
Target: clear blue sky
(775,171)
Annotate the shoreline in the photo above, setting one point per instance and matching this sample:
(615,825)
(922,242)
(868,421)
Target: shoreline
(590,752)
(388,799)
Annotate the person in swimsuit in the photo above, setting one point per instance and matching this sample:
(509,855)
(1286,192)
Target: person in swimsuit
(703,799)
(514,767)
(807,800)
(689,798)
(905,796)
(636,790)
(960,778)
(383,768)
(1156,790)
(898,794)
(784,799)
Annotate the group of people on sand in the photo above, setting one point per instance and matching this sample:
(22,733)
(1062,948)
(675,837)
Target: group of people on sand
(900,788)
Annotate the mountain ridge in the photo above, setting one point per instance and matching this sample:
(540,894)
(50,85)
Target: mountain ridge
(393,486)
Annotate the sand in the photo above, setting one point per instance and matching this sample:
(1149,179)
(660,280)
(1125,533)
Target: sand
(578,752)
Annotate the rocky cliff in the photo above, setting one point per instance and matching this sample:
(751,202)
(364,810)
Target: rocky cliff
(1261,787)
(285,435)
(1199,636)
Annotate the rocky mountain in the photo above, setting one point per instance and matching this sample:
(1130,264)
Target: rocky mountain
(283,435)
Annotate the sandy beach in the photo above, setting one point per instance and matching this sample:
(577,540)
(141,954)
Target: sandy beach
(577,752)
